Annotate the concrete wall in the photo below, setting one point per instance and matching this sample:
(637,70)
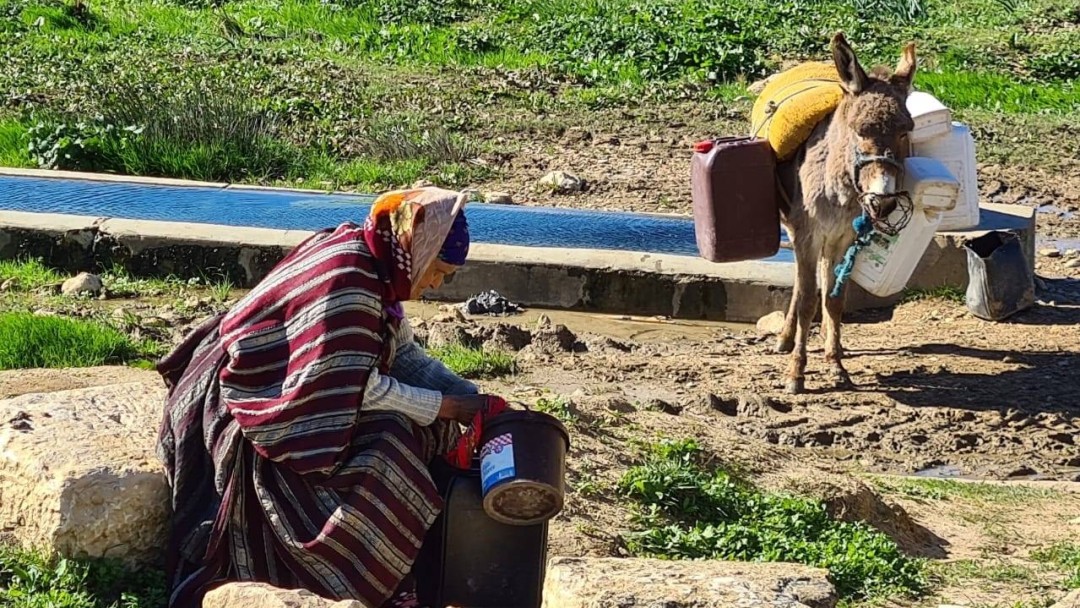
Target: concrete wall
(603,281)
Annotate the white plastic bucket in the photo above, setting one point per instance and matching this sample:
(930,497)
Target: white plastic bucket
(884,267)
(956,150)
(932,118)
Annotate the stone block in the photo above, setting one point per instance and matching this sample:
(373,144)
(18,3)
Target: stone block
(79,475)
(646,583)
(257,595)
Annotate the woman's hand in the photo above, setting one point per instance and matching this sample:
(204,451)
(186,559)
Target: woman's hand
(462,408)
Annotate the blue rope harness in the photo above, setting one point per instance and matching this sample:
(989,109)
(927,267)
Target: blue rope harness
(864,230)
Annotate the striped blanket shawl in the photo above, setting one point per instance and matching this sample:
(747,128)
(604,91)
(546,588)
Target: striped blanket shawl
(277,475)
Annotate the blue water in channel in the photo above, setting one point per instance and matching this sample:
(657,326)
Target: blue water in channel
(497,224)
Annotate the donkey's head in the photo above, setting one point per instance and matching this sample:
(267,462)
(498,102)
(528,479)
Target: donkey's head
(875,113)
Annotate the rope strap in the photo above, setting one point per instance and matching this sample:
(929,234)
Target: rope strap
(864,230)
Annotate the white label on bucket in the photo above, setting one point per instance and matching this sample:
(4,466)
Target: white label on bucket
(496,461)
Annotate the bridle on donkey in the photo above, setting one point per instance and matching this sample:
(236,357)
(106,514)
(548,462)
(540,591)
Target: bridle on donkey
(871,202)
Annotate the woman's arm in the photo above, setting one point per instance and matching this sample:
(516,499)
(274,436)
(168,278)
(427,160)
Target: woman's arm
(413,365)
(416,383)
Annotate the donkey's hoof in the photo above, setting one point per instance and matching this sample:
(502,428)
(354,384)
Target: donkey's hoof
(795,386)
(784,346)
(841,379)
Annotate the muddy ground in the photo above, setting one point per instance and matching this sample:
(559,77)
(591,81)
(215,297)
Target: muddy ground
(936,390)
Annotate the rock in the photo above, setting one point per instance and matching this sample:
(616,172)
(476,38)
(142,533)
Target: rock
(659,405)
(449,334)
(646,583)
(79,473)
(9,285)
(555,339)
(562,182)
(422,183)
(83,283)
(1069,601)
(258,595)
(503,336)
(498,198)
(1071,253)
(1050,252)
(771,324)
(1073,263)
(454,315)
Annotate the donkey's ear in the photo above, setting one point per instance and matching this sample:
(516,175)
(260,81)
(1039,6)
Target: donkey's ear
(852,75)
(905,69)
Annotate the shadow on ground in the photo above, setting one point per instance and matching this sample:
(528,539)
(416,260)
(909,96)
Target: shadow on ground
(1046,381)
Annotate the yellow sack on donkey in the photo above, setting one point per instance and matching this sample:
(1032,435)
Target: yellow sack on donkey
(792,103)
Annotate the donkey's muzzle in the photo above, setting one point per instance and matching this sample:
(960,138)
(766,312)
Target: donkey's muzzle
(890,213)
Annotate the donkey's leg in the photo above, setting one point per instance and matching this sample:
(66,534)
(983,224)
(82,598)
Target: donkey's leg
(785,340)
(833,312)
(804,304)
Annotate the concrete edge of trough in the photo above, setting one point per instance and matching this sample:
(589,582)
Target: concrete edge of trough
(616,282)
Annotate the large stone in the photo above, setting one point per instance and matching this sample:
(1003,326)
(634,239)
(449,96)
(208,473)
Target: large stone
(79,475)
(771,324)
(646,583)
(1071,600)
(257,595)
(83,283)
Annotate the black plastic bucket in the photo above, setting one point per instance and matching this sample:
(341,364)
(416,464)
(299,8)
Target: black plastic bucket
(1000,280)
(523,467)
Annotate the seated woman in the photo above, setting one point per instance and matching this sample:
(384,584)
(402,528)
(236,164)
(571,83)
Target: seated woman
(299,425)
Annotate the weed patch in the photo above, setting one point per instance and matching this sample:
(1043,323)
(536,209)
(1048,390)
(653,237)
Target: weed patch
(31,341)
(945,293)
(690,511)
(475,363)
(556,406)
(945,489)
(28,580)
(27,275)
(1065,556)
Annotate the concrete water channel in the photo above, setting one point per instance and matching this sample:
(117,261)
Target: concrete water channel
(542,257)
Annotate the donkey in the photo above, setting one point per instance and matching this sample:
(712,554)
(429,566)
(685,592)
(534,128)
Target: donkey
(851,163)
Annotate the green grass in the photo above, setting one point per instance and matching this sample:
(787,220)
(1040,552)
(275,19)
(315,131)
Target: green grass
(969,570)
(691,510)
(947,489)
(13,149)
(1065,556)
(28,275)
(372,94)
(1000,92)
(28,580)
(31,341)
(944,293)
(475,363)
(557,406)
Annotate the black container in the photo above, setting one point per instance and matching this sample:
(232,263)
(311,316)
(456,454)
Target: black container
(1000,280)
(469,559)
(523,467)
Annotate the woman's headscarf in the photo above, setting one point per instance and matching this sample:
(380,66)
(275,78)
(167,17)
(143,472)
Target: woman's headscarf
(407,230)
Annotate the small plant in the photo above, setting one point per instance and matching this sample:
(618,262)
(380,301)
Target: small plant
(556,406)
(28,580)
(475,363)
(1066,556)
(32,341)
(687,511)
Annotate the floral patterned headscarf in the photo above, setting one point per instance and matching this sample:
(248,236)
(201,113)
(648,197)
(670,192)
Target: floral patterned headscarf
(407,230)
